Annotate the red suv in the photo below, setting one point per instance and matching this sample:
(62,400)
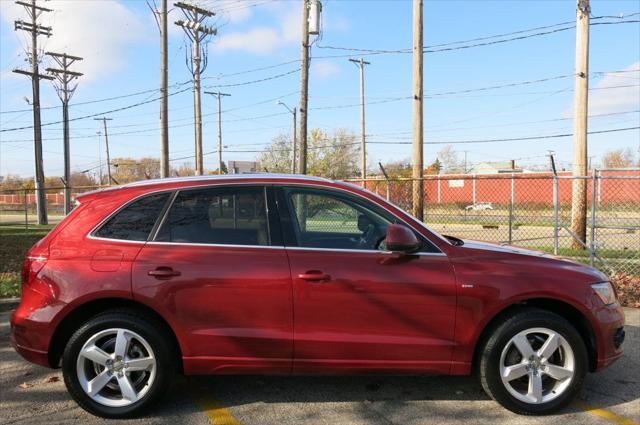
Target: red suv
(275,274)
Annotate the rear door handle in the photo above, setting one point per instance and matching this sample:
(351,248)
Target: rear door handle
(163,273)
(314,276)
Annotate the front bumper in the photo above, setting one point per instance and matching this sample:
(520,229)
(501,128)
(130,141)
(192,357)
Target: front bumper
(609,334)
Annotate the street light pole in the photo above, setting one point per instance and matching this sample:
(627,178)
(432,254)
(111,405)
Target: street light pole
(219,96)
(294,141)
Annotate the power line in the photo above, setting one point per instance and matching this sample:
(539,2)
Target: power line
(246,83)
(477,42)
(89,101)
(177,85)
(96,114)
(404,143)
(510,124)
(240,119)
(511,139)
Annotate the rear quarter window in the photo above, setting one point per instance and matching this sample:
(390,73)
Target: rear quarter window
(135,221)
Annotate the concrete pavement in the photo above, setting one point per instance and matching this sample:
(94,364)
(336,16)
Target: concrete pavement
(31,394)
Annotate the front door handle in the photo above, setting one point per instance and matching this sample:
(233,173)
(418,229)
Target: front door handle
(314,276)
(163,273)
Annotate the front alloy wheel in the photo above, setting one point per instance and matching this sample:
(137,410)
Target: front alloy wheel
(533,362)
(537,365)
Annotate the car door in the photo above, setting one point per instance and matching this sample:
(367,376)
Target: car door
(356,306)
(217,269)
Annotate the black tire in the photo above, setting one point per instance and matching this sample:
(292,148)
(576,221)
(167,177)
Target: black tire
(499,337)
(148,329)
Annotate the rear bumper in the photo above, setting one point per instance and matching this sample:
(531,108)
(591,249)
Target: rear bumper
(32,326)
(34,356)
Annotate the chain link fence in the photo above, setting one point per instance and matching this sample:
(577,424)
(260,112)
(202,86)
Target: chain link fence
(532,210)
(535,210)
(18,206)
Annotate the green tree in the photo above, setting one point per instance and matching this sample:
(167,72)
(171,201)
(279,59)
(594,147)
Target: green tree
(332,155)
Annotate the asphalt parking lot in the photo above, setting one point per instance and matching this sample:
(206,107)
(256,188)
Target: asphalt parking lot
(34,395)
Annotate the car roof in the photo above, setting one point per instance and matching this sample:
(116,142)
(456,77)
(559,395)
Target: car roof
(215,178)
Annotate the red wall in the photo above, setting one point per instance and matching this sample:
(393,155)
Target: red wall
(534,188)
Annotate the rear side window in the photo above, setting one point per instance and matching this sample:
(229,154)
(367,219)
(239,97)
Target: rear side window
(136,220)
(220,216)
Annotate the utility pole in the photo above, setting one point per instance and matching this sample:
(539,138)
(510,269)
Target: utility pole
(581,93)
(161,20)
(304,86)
(363,147)
(106,142)
(197,32)
(219,96)
(465,162)
(63,76)
(418,183)
(99,133)
(35,29)
(293,140)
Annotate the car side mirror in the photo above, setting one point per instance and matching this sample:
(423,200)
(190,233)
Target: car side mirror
(401,239)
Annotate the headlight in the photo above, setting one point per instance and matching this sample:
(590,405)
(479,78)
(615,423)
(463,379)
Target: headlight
(605,292)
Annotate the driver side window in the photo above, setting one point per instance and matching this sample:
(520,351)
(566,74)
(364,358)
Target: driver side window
(327,220)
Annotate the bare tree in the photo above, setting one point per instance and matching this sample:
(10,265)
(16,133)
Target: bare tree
(128,169)
(449,160)
(619,158)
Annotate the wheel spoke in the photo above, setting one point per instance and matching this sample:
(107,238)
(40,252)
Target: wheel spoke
(122,343)
(104,366)
(535,388)
(523,345)
(550,346)
(558,372)
(98,383)
(514,372)
(95,354)
(126,388)
(144,363)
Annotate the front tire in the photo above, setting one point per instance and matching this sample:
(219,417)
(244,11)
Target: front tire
(533,363)
(118,364)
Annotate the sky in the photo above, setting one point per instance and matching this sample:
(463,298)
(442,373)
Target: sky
(255,59)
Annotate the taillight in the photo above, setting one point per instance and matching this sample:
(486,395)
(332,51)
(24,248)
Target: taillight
(31,266)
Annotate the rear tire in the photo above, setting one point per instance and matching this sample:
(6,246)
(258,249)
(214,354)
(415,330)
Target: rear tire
(118,364)
(533,363)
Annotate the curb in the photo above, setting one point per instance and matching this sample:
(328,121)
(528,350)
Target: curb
(8,304)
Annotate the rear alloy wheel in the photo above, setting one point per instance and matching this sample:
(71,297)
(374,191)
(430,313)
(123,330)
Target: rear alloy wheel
(116,367)
(117,364)
(534,363)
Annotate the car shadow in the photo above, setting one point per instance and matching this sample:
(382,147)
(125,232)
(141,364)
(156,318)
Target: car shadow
(617,384)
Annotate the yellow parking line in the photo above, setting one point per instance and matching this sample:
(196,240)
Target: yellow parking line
(605,414)
(217,414)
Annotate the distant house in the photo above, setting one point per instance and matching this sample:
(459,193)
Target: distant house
(496,167)
(242,167)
